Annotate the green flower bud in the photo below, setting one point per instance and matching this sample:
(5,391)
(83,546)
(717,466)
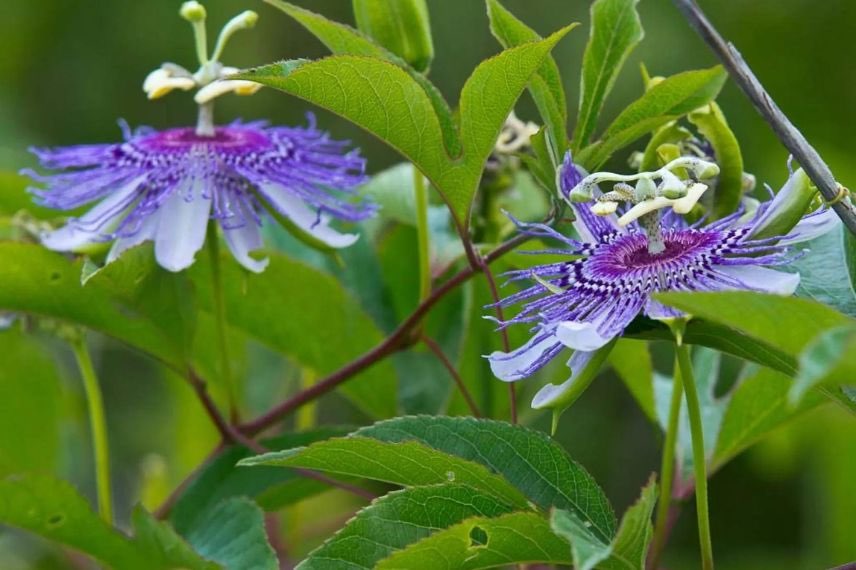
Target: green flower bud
(401,26)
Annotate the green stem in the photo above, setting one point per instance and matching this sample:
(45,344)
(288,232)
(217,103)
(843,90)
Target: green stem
(423,234)
(699,460)
(667,470)
(213,240)
(98,426)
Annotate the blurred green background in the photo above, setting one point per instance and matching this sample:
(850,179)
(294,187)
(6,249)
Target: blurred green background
(70,69)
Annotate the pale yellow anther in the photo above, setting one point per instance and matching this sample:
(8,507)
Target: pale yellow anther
(515,135)
(680,206)
(160,82)
(214,90)
(605,208)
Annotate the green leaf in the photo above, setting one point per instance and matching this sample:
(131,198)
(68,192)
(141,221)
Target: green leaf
(163,547)
(30,406)
(397,520)
(546,86)
(345,40)
(387,101)
(827,360)
(828,272)
(669,99)
(408,464)
(35,280)
(531,461)
(632,362)
(54,510)
(402,26)
(615,32)
(233,534)
(712,125)
(272,488)
(306,314)
(785,323)
(476,543)
(756,406)
(630,546)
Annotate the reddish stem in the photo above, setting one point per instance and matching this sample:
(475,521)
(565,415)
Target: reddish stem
(438,352)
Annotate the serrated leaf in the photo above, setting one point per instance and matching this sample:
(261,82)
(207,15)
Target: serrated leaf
(408,464)
(531,461)
(305,313)
(397,520)
(345,40)
(630,546)
(54,510)
(828,272)
(785,323)
(671,98)
(756,406)
(476,543)
(827,360)
(402,26)
(271,488)
(388,102)
(44,283)
(233,534)
(30,406)
(546,86)
(712,125)
(615,31)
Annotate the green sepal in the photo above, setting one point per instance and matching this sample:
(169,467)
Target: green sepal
(799,192)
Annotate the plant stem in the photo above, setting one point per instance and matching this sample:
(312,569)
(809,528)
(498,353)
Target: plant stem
(98,426)
(423,233)
(699,460)
(221,322)
(786,132)
(667,471)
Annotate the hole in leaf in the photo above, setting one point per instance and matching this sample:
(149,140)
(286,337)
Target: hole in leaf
(55,276)
(478,537)
(56,520)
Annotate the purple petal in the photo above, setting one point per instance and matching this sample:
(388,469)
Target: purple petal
(304,217)
(244,239)
(581,335)
(522,362)
(762,279)
(146,232)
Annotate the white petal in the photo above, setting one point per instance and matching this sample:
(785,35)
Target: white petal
(181,227)
(551,393)
(245,239)
(763,279)
(511,366)
(87,229)
(158,86)
(146,232)
(812,226)
(581,335)
(304,217)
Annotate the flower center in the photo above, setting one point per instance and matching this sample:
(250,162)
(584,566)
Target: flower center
(226,138)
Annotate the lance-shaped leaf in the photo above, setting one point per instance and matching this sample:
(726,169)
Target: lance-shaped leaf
(480,542)
(397,520)
(387,101)
(342,39)
(615,31)
(669,99)
(546,86)
(627,551)
(402,26)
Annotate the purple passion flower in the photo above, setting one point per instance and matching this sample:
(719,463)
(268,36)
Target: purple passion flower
(164,186)
(610,275)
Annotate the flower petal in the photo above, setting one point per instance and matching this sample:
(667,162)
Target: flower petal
(304,217)
(522,362)
(244,239)
(812,226)
(181,226)
(762,279)
(146,232)
(87,229)
(581,335)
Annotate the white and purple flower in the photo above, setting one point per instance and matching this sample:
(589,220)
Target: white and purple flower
(612,271)
(164,186)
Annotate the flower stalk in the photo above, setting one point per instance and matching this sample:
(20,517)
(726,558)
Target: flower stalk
(221,322)
(699,459)
(97,425)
